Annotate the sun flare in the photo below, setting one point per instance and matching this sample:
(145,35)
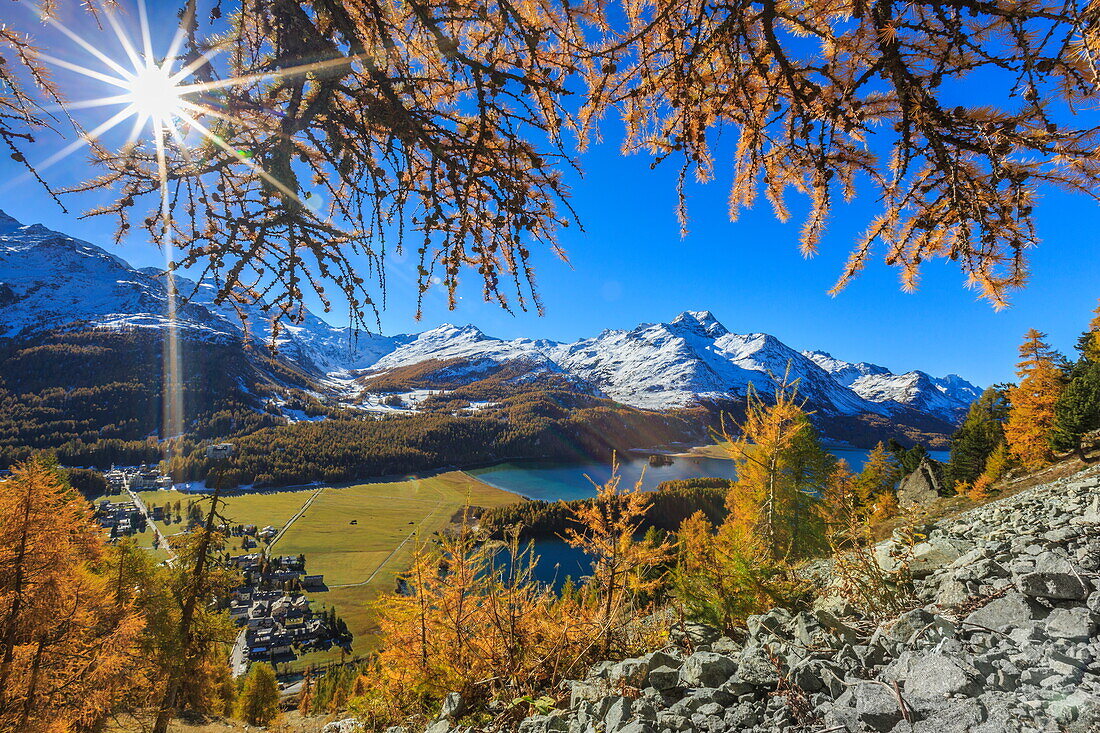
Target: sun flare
(153,92)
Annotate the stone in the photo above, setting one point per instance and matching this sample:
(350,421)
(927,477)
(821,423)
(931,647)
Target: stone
(707,669)
(347,725)
(453,705)
(907,625)
(935,553)
(664,678)
(952,593)
(923,486)
(617,715)
(439,726)
(629,672)
(1069,623)
(935,676)
(756,668)
(1055,585)
(864,704)
(664,658)
(637,726)
(959,716)
(1002,614)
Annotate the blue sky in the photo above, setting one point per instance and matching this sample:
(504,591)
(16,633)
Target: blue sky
(631,266)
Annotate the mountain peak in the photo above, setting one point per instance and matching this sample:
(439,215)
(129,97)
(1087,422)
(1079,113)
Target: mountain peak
(703,321)
(8,223)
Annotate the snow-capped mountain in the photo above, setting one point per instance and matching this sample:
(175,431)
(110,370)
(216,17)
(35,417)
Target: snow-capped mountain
(51,282)
(946,396)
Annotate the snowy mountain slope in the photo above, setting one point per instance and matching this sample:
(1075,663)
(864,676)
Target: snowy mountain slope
(49,281)
(948,396)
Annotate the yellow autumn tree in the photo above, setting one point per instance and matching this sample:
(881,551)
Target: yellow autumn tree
(1031,416)
(607,531)
(69,645)
(859,578)
(875,484)
(781,469)
(995,467)
(774,520)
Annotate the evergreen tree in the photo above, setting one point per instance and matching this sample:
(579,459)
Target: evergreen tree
(259,700)
(978,436)
(1030,421)
(1078,408)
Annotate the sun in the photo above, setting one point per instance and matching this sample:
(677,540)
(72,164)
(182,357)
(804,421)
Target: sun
(153,92)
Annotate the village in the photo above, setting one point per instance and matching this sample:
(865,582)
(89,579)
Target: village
(271,608)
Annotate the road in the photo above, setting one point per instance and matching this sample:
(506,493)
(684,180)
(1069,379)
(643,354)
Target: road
(161,539)
(238,661)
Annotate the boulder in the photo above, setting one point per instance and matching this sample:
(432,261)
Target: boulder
(933,676)
(755,667)
(935,553)
(707,669)
(923,486)
(664,678)
(1074,624)
(1002,614)
(864,705)
(618,715)
(453,706)
(1054,585)
(629,672)
(347,725)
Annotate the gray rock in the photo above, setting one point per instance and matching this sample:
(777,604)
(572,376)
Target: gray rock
(934,553)
(453,705)
(630,672)
(756,668)
(707,669)
(664,678)
(865,704)
(936,676)
(1055,585)
(663,658)
(637,726)
(617,715)
(347,725)
(958,716)
(1070,623)
(1002,614)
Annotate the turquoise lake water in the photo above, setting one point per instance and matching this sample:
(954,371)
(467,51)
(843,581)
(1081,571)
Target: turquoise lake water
(554,480)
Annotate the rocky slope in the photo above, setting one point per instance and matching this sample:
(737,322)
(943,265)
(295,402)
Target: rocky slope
(1004,639)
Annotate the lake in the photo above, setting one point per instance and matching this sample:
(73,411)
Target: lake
(554,480)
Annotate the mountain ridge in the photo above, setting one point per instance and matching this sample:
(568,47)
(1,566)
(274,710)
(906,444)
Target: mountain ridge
(50,281)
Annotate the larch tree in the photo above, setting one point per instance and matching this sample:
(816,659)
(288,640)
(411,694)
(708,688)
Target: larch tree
(259,700)
(1031,415)
(876,481)
(606,530)
(337,133)
(781,469)
(69,644)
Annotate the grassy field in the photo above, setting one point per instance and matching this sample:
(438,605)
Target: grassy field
(358,560)
(273,508)
(362,559)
